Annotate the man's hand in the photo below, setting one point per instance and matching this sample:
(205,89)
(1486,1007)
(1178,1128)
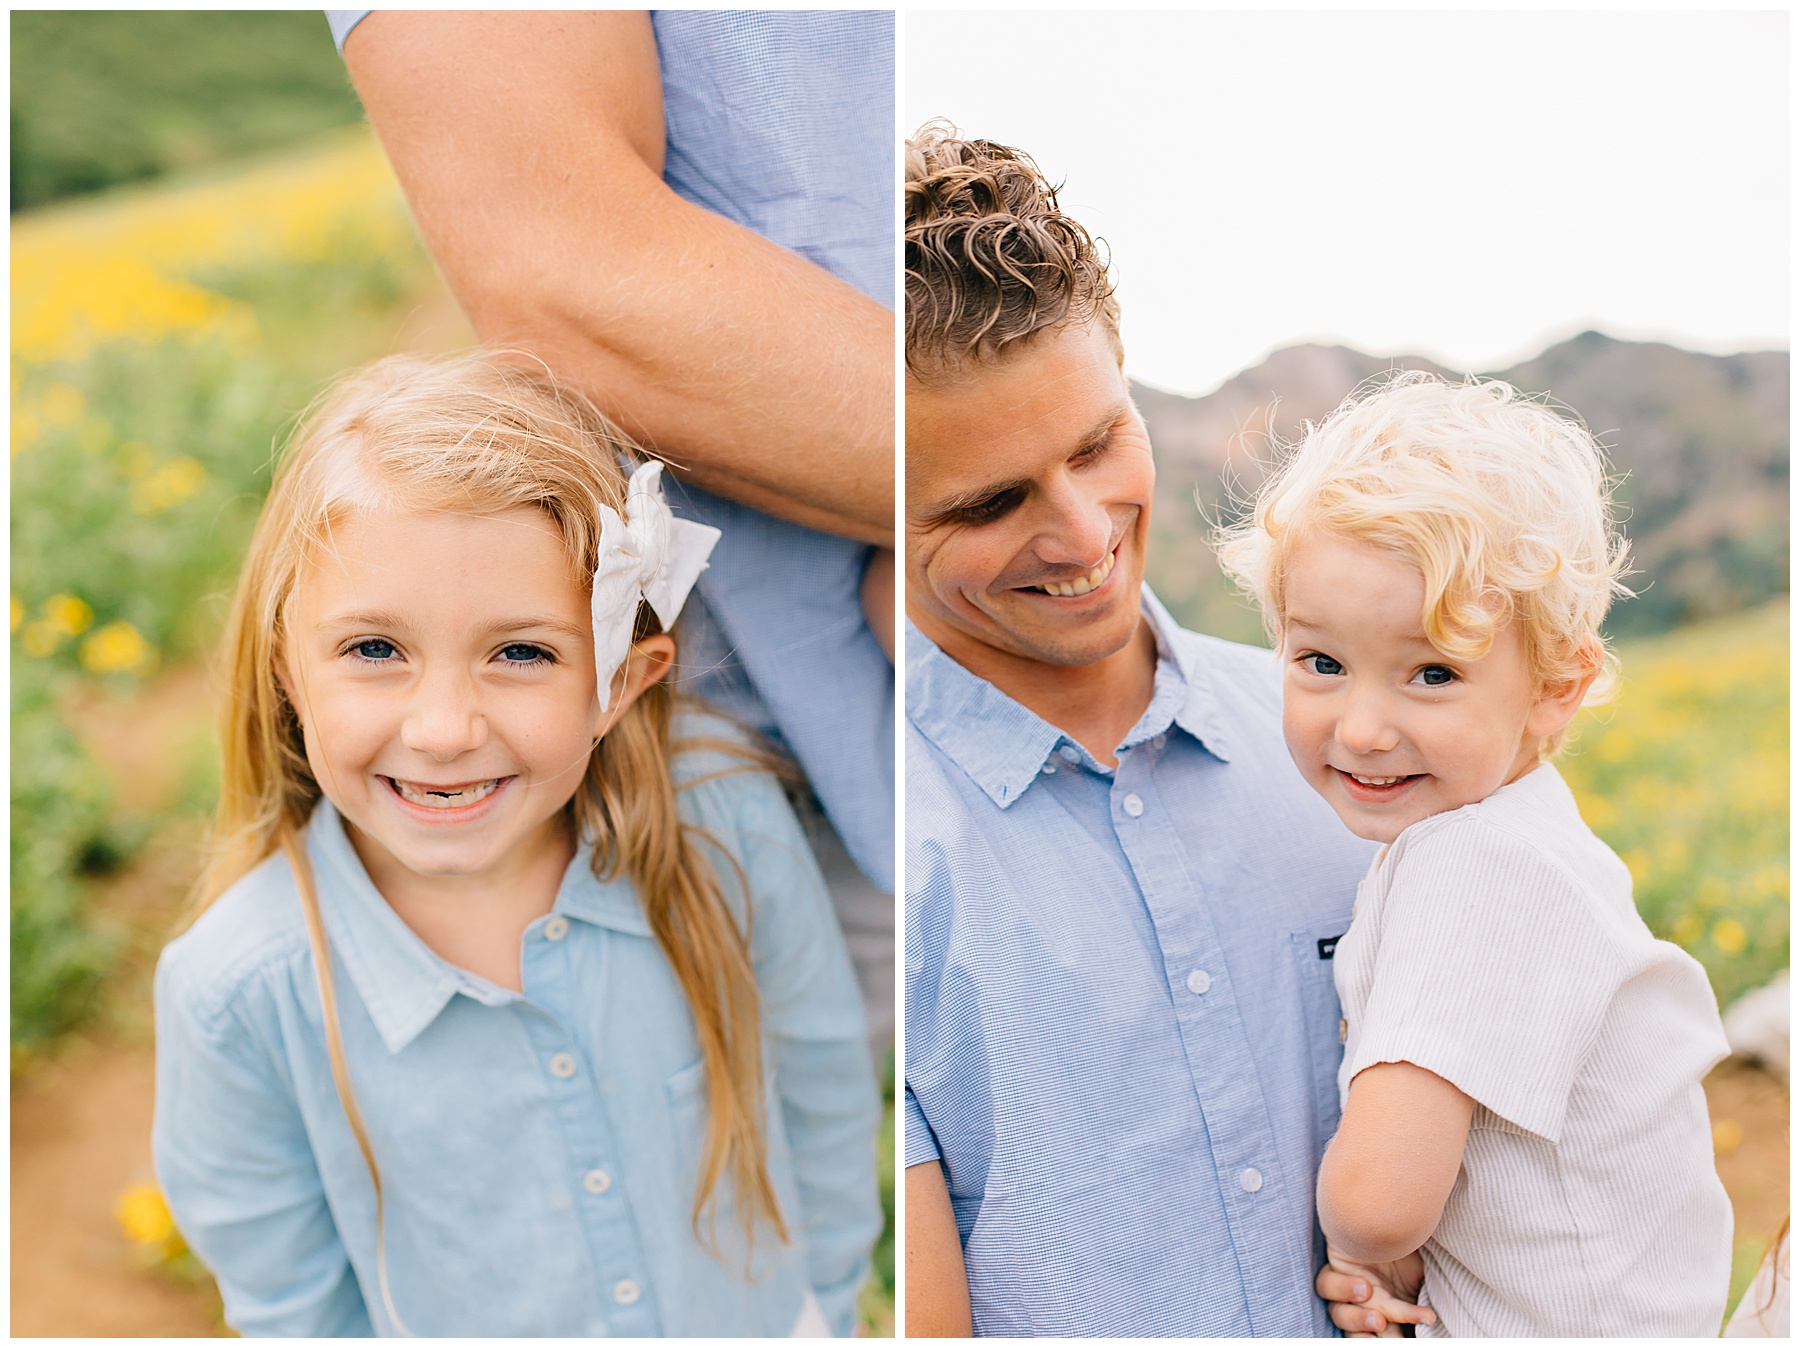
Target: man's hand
(1374,1300)
(530,146)
(937,1283)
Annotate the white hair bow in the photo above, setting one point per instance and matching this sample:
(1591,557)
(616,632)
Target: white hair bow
(648,555)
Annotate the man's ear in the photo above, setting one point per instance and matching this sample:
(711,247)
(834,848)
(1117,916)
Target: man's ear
(649,662)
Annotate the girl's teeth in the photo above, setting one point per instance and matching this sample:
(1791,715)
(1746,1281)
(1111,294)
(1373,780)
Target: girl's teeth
(1378,781)
(441,798)
(1068,589)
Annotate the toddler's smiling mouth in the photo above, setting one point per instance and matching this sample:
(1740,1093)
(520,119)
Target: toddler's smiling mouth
(431,796)
(1366,786)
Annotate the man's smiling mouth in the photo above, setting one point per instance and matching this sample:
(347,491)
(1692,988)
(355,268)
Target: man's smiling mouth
(1094,579)
(432,797)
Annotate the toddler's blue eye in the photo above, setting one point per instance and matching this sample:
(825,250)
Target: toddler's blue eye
(1435,676)
(522,653)
(1323,664)
(375,649)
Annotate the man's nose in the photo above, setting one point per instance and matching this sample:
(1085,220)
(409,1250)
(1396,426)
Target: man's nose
(444,718)
(1079,530)
(1365,725)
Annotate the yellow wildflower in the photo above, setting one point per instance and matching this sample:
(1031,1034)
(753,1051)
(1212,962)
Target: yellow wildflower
(1728,1136)
(118,648)
(168,486)
(143,1215)
(18,612)
(1687,930)
(1729,935)
(67,614)
(41,638)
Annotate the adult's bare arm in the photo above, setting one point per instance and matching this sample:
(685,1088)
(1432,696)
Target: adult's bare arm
(530,147)
(937,1283)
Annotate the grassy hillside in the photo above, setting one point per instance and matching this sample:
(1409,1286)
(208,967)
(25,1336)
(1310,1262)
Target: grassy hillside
(1686,777)
(101,98)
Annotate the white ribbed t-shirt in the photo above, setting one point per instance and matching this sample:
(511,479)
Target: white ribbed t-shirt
(1498,946)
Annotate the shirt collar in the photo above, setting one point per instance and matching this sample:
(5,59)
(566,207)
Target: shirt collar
(1003,746)
(402,981)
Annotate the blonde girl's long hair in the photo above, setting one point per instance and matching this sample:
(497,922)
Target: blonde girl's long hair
(476,436)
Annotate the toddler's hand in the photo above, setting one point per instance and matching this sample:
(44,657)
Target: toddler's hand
(1374,1300)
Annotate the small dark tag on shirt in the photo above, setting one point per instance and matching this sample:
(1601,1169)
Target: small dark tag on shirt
(1328,946)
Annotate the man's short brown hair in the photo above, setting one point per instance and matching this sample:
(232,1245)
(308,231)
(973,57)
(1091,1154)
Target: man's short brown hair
(990,257)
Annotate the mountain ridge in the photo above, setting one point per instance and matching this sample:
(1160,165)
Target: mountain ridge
(1697,442)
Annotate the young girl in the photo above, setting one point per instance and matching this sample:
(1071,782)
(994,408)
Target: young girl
(517,1006)
(1522,1059)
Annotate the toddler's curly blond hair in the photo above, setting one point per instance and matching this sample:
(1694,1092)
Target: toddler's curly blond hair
(1503,504)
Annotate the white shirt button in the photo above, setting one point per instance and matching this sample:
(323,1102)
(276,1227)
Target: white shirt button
(1251,1179)
(556,928)
(597,1181)
(1049,769)
(1199,981)
(563,1065)
(625,1292)
(1133,806)
(1069,753)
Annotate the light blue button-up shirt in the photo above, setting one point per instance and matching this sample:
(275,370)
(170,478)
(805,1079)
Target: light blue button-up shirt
(782,121)
(538,1152)
(1121,1027)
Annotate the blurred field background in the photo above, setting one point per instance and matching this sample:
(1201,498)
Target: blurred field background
(203,234)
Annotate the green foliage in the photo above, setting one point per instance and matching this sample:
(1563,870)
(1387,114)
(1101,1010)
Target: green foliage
(1686,777)
(100,98)
(59,820)
(878,1293)
(133,497)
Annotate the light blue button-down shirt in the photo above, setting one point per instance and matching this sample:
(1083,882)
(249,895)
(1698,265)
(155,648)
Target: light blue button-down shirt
(782,121)
(1121,1028)
(538,1152)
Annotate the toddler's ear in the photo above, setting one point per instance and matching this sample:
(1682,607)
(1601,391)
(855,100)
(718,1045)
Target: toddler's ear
(650,662)
(1561,699)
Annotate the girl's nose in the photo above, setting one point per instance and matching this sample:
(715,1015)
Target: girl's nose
(444,719)
(1364,726)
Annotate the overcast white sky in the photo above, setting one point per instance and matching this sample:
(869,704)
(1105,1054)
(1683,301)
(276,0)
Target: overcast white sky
(1465,186)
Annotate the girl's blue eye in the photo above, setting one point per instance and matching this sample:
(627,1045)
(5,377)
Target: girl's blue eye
(375,649)
(1435,676)
(1322,664)
(523,653)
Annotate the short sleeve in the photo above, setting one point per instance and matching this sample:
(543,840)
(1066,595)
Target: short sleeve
(1493,969)
(921,1146)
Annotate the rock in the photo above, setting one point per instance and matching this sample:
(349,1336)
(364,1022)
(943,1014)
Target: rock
(1756,1026)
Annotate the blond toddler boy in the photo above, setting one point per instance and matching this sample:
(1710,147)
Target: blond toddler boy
(1524,1128)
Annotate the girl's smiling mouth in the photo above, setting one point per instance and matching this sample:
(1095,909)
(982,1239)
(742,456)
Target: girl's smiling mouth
(440,799)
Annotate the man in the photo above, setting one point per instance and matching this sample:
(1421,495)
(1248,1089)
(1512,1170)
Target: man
(688,216)
(1122,899)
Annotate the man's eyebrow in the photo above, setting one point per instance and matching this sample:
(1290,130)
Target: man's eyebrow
(1096,435)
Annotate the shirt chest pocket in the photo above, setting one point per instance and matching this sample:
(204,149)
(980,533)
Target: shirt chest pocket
(1315,952)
